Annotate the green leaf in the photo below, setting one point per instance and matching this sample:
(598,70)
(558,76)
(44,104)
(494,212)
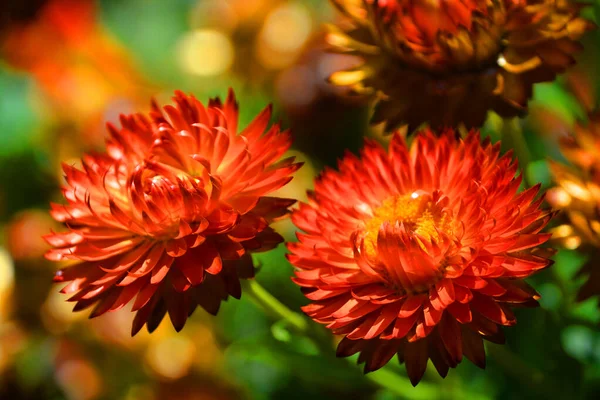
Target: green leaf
(275,275)
(551,296)
(19,121)
(241,319)
(34,364)
(580,342)
(271,370)
(538,172)
(302,344)
(587,311)
(568,263)
(554,97)
(533,362)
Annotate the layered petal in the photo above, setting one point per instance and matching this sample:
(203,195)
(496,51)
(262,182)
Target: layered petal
(467,57)
(172,210)
(577,194)
(419,251)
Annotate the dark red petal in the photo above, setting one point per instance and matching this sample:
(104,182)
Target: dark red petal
(460,311)
(383,352)
(141,317)
(156,315)
(144,296)
(450,334)
(178,306)
(492,310)
(415,357)
(191,267)
(473,346)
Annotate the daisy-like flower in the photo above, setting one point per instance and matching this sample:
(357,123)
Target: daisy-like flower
(171,212)
(577,193)
(420,252)
(466,57)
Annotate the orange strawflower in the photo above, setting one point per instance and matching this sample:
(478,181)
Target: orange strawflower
(420,252)
(577,193)
(171,212)
(450,62)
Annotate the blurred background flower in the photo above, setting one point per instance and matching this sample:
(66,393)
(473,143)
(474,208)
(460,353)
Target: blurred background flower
(464,57)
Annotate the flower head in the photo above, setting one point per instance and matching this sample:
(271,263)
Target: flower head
(171,212)
(465,57)
(577,193)
(420,252)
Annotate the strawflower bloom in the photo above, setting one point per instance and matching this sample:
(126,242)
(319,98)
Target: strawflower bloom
(450,62)
(170,213)
(420,252)
(577,193)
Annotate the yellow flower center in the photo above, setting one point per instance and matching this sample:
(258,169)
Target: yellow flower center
(416,211)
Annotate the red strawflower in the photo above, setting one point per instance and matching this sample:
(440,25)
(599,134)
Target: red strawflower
(171,212)
(419,252)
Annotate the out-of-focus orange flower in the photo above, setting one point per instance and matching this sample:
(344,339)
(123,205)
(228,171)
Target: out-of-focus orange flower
(583,147)
(549,120)
(80,379)
(72,58)
(420,252)
(577,193)
(7,281)
(169,355)
(195,389)
(171,212)
(13,338)
(450,62)
(24,234)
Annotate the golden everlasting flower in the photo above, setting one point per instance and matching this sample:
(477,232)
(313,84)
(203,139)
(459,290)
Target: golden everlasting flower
(450,62)
(578,194)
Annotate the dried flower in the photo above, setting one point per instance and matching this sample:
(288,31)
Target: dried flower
(578,194)
(420,252)
(171,212)
(450,62)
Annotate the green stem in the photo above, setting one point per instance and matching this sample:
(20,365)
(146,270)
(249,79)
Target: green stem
(277,309)
(260,296)
(385,378)
(512,138)
(401,386)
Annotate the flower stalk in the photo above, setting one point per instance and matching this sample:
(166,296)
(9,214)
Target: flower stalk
(265,300)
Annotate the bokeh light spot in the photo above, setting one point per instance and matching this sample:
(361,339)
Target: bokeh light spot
(205,52)
(172,357)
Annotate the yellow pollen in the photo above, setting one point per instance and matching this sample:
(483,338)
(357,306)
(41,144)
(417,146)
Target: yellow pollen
(416,211)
